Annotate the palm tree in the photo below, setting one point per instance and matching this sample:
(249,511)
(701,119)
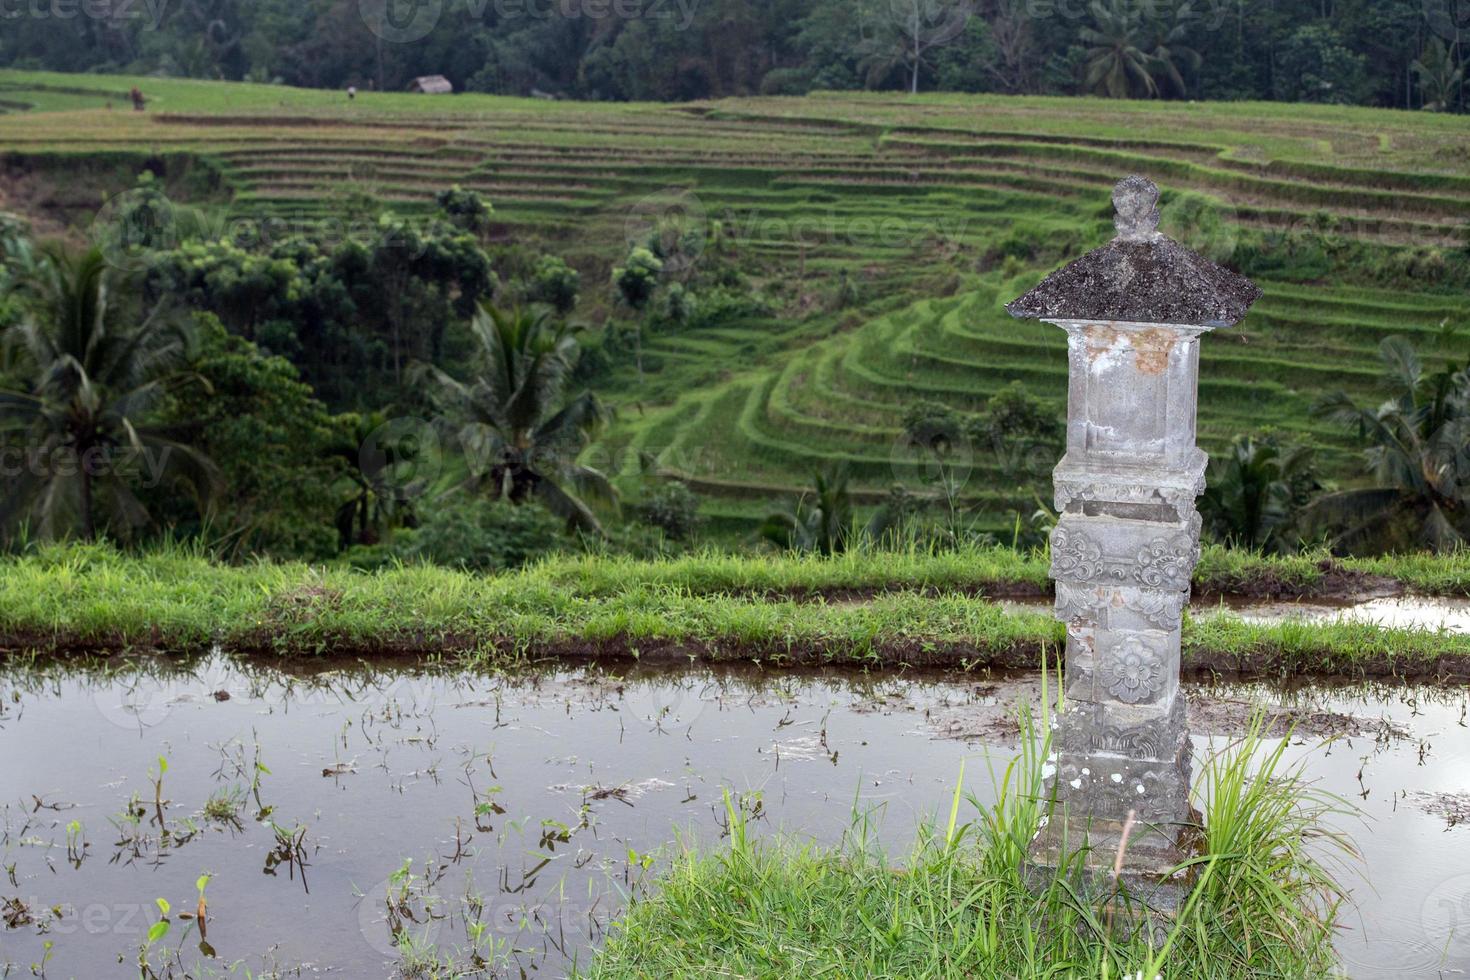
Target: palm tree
(1117,64)
(1418,456)
(820,521)
(1137,52)
(1439,79)
(16,258)
(1254,494)
(907,31)
(97,365)
(372,507)
(519,431)
(1170,50)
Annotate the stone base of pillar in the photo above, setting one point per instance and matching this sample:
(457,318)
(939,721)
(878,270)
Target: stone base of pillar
(1147,892)
(1102,774)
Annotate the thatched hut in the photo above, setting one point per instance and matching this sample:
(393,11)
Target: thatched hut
(431,85)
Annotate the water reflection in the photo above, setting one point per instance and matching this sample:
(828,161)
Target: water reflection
(353,816)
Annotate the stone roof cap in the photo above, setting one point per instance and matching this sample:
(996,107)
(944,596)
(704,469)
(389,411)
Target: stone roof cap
(1141,276)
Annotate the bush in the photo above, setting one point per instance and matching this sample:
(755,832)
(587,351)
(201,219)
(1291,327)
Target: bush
(270,438)
(673,508)
(786,81)
(555,283)
(465,209)
(679,306)
(483,536)
(637,280)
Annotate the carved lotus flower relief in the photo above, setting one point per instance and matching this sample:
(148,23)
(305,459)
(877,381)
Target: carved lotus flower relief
(1074,553)
(1166,563)
(1136,674)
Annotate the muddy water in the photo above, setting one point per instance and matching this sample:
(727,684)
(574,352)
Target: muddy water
(512,815)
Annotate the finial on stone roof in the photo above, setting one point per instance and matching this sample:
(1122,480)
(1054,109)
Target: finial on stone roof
(1141,276)
(1136,200)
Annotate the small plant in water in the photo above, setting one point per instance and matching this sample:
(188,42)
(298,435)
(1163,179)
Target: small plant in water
(76,844)
(156,777)
(48,949)
(156,933)
(224,805)
(290,850)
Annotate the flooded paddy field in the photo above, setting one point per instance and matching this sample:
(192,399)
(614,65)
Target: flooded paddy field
(1436,614)
(352,816)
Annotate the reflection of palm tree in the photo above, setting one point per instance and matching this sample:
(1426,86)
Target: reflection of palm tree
(1418,455)
(95,376)
(521,435)
(1254,493)
(821,521)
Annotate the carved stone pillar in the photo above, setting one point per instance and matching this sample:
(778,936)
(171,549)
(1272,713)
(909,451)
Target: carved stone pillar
(1127,541)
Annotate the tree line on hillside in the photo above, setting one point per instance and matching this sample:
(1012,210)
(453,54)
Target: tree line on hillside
(1396,53)
(271,397)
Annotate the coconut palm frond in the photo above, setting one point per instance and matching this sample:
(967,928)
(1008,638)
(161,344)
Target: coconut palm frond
(519,432)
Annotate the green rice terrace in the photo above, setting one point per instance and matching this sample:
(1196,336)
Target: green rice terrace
(410,565)
(930,212)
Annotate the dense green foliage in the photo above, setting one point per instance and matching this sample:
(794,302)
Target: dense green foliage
(1419,457)
(830,300)
(1254,496)
(352,314)
(1404,53)
(77,421)
(270,441)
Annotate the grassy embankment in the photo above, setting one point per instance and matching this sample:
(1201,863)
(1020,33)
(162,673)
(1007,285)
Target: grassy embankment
(932,210)
(918,610)
(1262,906)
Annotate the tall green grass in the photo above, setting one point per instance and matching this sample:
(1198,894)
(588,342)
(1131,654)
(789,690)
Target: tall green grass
(1264,904)
(861,609)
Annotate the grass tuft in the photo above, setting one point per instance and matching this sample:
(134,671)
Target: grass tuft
(1264,905)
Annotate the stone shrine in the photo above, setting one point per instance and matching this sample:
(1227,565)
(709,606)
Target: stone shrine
(1127,541)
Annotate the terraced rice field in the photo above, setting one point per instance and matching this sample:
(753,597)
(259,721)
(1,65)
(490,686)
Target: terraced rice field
(916,202)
